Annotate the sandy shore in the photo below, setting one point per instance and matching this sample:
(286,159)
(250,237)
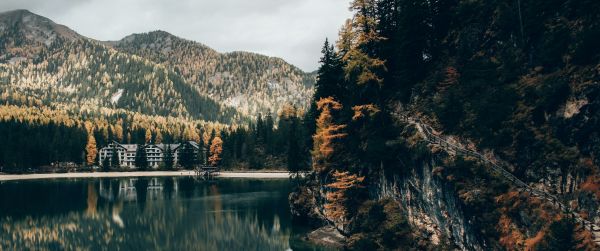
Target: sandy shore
(224,174)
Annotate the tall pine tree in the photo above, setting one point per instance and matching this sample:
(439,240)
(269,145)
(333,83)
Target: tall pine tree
(141,157)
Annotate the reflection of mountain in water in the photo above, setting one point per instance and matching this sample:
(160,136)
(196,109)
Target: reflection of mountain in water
(117,217)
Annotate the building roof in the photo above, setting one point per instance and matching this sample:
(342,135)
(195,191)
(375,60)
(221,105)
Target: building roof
(133,147)
(164,146)
(129,147)
(194,144)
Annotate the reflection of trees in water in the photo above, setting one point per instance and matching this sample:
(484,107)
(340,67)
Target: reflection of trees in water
(92,200)
(172,224)
(141,189)
(168,188)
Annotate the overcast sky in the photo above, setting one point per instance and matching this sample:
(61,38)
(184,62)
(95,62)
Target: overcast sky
(291,29)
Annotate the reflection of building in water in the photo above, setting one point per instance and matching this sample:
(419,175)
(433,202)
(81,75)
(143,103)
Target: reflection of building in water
(106,191)
(155,184)
(155,188)
(206,222)
(127,191)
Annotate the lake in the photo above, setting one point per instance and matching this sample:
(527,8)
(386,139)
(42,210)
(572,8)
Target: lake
(166,213)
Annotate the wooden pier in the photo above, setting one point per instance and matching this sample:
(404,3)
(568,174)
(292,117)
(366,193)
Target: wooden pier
(207,171)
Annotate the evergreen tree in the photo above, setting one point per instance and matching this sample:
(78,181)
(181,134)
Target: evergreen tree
(141,157)
(186,156)
(330,83)
(201,159)
(168,158)
(560,236)
(329,76)
(293,149)
(106,164)
(114,160)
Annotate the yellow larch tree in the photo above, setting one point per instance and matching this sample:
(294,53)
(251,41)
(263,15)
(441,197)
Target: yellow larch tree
(216,148)
(336,208)
(148,136)
(326,135)
(90,148)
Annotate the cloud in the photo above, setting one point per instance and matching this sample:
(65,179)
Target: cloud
(291,29)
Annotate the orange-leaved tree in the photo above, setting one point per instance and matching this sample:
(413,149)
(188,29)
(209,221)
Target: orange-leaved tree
(90,148)
(216,148)
(327,135)
(340,196)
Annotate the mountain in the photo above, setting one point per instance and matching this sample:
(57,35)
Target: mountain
(21,26)
(46,64)
(249,82)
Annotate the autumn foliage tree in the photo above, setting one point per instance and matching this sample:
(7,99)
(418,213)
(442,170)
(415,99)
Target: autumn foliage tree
(340,200)
(90,148)
(327,136)
(216,148)
(148,136)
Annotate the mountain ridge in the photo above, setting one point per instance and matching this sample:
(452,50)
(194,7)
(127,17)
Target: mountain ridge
(249,83)
(215,73)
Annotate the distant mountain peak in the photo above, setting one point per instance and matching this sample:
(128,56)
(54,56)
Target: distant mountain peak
(21,26)
(15,12)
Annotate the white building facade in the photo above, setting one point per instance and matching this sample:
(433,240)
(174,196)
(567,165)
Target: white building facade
(155,153)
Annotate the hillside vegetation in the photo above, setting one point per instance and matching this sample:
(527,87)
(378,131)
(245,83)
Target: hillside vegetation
(249,82)
(518,78)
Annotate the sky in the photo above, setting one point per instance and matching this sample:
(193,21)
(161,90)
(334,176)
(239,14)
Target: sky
(291,29)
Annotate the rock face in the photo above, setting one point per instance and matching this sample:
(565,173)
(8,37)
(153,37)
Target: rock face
(431,206)
(327,236)
(429,201)
(305,208)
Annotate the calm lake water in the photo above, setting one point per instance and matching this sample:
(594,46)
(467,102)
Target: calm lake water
(167,213)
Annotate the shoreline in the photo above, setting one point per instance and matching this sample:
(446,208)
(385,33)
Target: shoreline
(183,173)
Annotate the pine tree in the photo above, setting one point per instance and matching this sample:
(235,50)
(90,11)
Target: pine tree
(362,64)
(168,158)
(186,156)
(201,152)
(114,160)
(106,164)
(141,157)
(560,236)
(293,148)
(329,81)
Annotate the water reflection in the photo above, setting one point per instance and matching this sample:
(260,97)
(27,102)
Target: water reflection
(153,214)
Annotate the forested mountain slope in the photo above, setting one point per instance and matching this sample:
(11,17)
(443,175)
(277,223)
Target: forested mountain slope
(153,73)
(249,82)
(47,64)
